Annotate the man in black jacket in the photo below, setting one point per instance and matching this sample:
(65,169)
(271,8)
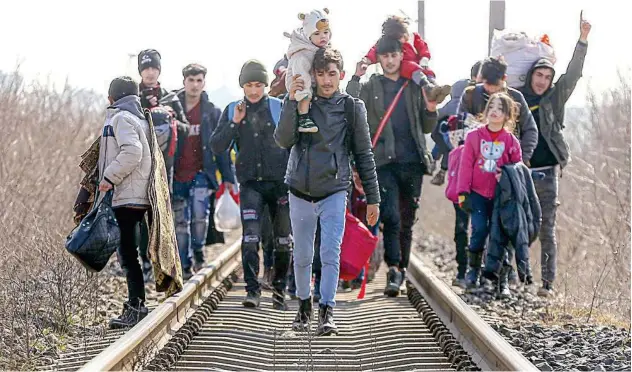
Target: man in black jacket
(194,169)
(260,166)
(319,177)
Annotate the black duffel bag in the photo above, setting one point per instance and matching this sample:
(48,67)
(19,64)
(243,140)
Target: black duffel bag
(97,237)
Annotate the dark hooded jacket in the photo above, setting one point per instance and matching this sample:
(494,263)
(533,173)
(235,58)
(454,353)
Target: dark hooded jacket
(320,163)
(548,109)
(517,215)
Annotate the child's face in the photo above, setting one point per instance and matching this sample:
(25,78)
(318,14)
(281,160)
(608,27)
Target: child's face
(403,39)
(320,38)
(495,114)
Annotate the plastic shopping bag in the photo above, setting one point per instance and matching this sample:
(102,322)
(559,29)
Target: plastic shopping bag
(227,215)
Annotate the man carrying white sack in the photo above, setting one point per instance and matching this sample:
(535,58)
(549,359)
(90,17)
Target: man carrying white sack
(546,102)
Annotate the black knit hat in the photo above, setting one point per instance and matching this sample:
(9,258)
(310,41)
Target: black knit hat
(387,44)
(253,70)
(148,58)
(122,86)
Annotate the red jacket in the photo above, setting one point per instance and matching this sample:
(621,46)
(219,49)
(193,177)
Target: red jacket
(480,159)
(411,52)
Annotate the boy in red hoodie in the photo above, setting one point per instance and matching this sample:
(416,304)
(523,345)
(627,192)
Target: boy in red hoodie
(486,150)
(413,54)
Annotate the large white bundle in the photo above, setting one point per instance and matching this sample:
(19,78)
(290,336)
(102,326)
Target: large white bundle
(520,52)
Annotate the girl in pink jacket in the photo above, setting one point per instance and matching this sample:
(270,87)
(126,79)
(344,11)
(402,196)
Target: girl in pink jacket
(486,150)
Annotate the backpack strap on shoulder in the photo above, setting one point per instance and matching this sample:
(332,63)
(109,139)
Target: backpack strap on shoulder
(275,106)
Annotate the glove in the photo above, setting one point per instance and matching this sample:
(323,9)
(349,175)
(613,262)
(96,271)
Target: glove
(465,203)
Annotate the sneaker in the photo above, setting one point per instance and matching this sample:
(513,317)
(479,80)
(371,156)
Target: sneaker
(147,272)
(306,125)
(546,290)
(266,281)
(197,266)
(132,314)
(459,282)
(326,325)
(252,299)
(186,274)
(393,281)
(345,286)
(439,178)
(402,282)
(356,284)
(303,316)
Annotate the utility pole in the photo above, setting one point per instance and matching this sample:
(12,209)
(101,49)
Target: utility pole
(496,20)
(421,12)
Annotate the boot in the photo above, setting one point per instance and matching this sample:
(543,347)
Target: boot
(303,316)
(502,289)
(546,290)
(252,299)
(306,125)
(437,93)
(133,312)
(393,281)
(473,276)
(326,325)
(439,178)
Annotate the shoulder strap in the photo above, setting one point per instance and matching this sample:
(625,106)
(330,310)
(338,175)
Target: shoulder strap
(351,122)
(275,105)
(231,109)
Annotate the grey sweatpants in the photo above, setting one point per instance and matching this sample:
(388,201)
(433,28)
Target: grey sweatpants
(547,190)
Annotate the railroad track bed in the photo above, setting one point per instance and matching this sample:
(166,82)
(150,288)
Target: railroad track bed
(552,342)
(205,327)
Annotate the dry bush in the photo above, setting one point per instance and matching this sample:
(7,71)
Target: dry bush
(594,216)
(45,294)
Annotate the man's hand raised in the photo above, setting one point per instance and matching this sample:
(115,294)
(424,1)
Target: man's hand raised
(361,68)
(584,27)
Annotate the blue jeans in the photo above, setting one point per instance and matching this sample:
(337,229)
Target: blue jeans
(191,210)
(304,216)
(481,216)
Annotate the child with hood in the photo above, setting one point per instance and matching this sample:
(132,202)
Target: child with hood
(305,41)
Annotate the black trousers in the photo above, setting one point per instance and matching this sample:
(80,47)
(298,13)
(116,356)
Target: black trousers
(253,196)
(129,220)
(400,189)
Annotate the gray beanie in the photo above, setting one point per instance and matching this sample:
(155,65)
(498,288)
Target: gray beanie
(253,70)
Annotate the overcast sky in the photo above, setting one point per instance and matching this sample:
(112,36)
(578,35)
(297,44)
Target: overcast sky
(88,42)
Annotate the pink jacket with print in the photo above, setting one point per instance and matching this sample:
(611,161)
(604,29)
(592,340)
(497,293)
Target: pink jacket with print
(480,159)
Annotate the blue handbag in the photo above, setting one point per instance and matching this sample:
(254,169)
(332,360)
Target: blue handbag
(97,237)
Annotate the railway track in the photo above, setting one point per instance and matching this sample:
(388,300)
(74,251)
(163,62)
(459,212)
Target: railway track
(205,327)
